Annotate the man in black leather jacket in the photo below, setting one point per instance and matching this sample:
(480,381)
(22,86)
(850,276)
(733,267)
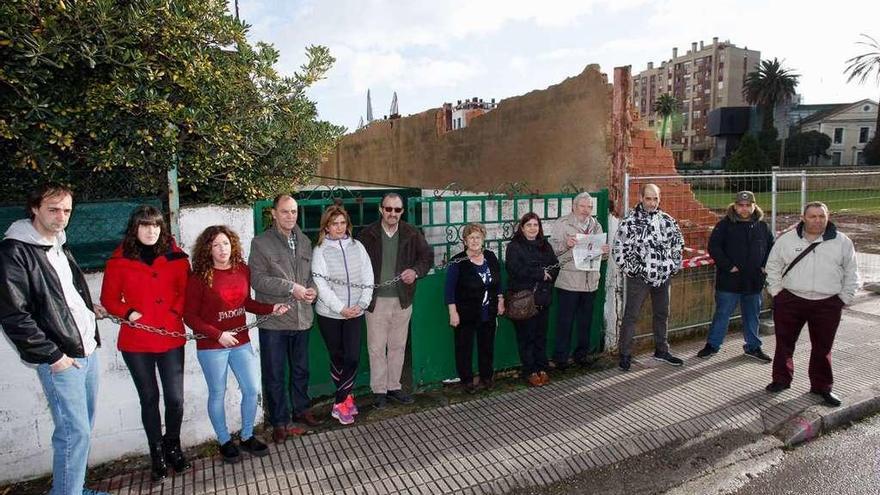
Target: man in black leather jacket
(47,313)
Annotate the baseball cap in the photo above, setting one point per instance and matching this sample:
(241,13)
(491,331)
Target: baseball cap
(745,197)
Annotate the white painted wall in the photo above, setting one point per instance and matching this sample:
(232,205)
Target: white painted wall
(27,424)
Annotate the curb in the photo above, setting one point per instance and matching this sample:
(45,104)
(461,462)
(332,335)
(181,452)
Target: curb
(816,420)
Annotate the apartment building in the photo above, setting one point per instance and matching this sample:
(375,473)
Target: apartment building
(704,78)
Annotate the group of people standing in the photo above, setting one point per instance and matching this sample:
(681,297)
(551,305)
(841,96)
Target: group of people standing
(150,287)
(809,271)
(533,263)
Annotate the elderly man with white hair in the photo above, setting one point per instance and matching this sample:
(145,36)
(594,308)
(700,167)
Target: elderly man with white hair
(575,288)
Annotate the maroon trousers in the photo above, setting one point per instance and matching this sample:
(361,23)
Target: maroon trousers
(822,317)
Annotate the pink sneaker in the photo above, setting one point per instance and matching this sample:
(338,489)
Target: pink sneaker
(352,407)
(342,413)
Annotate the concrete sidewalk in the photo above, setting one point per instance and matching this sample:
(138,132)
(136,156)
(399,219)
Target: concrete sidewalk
(539,436)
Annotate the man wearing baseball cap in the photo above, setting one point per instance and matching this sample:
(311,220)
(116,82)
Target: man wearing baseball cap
(740,244)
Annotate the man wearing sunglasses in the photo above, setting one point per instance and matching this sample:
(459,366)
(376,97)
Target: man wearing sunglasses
(395,248)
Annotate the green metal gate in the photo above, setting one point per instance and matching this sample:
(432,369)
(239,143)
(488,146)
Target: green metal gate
(432,357)
(363,208)
(442,219)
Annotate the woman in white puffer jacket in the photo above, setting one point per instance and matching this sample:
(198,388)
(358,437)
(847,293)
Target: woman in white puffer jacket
(344,276)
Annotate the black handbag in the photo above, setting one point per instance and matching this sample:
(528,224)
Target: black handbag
(520,305)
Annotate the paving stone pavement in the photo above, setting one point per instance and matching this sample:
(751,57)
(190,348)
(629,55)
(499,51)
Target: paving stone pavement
(538,436)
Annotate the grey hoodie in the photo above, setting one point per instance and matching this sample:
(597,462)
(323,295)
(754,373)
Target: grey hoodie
(23,230)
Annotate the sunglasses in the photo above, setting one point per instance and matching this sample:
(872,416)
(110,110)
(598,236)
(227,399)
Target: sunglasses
(395,209)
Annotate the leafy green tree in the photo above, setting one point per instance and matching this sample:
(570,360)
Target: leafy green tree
(665,106)
(748,157)
(871,153)
(123,90)
(769,86)
(862,66)
(768,140)
(806,147)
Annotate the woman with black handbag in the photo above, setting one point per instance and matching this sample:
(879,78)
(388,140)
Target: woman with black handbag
(530,264)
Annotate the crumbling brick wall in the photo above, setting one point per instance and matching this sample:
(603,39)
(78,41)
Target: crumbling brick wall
(547,138)
(638,151)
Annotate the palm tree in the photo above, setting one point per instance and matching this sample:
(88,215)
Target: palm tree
(665,106)
(768,87)
(862,66)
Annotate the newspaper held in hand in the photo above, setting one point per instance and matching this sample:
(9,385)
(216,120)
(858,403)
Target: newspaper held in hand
(587,252)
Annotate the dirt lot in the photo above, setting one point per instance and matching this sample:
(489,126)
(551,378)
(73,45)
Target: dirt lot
(864,230)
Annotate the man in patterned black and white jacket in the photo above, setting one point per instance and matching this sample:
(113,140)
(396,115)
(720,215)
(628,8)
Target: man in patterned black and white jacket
(647,250)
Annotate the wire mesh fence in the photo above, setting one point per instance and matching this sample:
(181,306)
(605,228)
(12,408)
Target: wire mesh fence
(103,202)
(699,201)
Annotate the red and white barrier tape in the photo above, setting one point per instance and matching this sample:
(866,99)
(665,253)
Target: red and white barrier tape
(702,258)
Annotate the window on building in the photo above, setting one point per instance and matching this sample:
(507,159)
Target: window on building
(838,136)
(863,134)
(860,159)
(835,158)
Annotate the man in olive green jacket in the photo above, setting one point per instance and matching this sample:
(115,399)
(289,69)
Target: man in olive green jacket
(281,272)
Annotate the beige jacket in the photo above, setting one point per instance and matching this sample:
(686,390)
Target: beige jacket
(570,278)
(830,269)
(274,269)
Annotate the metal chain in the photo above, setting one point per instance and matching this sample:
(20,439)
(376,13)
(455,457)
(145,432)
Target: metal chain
(261,319)
(441,266)
(186,335)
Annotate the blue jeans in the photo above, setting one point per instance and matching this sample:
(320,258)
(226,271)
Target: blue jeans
(725,304)
(71,394)
(281,350)
(215,364)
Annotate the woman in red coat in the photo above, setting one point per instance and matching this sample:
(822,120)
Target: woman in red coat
(145,282)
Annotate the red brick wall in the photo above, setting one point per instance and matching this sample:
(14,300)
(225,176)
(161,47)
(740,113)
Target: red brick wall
(676,197)
(638,152)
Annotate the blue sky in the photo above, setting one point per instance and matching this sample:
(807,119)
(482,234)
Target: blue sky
(438,51)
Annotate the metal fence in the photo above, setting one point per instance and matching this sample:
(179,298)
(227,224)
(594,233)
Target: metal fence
(699,201)
(441,218)
(102,204)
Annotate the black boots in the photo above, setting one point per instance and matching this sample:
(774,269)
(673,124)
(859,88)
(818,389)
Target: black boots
(174,455)
(159,469)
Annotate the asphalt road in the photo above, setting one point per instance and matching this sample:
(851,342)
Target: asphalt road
(846,462)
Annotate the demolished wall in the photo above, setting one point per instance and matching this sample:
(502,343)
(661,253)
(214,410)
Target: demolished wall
(547,138)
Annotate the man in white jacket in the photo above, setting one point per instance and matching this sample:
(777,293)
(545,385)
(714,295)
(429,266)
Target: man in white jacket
(812,275)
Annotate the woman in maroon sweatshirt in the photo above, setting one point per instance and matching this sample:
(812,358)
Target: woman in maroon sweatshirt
(217,296)
(145,282)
